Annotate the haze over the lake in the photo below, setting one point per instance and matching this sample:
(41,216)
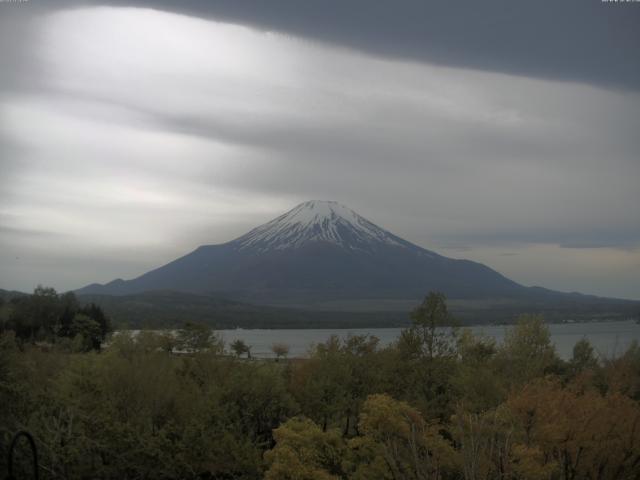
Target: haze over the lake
(129,135)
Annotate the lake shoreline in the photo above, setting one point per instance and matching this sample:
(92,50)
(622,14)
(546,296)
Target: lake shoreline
(609,338)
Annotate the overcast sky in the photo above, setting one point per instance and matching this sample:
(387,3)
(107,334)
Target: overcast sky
(505,132)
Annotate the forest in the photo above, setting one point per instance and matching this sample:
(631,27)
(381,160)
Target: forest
(439,403)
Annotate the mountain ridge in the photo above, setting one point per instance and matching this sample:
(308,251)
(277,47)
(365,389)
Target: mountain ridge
(322,251)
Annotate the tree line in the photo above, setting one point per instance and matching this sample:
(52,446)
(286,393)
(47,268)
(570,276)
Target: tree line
(439,403)
(46,316)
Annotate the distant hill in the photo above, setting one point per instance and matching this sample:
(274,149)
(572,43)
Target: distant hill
(172,309)
(166,309)
(9,294)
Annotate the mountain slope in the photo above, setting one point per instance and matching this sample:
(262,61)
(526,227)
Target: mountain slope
(170,309)
(166,309)
(316,252)
(323,256)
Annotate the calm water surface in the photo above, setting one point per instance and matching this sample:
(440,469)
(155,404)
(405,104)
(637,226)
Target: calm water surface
(608,338)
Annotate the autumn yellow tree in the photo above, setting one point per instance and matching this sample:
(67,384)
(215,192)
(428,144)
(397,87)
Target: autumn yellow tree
(491,446)
(587,434)
(304,452)
(411,448)
(622,373)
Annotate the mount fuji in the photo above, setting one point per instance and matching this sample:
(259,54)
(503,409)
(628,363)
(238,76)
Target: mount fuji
(322,252)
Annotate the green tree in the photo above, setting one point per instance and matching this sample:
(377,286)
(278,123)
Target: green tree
(362,362)
(87,332)
(47,316)
(197,337)
(432,325)
(527,351)
(35,317)
(583,358)
(11,379)
(427,359)
(320,383)
(476,380)
(95,312)
(239,347)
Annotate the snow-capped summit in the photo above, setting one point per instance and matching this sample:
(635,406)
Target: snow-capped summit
(318,221)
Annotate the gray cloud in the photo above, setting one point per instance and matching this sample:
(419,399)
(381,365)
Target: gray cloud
(617,237)
(24,232)
(574,40)
(141,148)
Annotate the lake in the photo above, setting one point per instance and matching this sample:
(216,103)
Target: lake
(607,338)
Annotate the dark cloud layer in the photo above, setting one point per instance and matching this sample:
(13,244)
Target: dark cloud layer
(575,40)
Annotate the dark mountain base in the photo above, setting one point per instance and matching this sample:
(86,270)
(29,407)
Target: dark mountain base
(168,309)
(173,309)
